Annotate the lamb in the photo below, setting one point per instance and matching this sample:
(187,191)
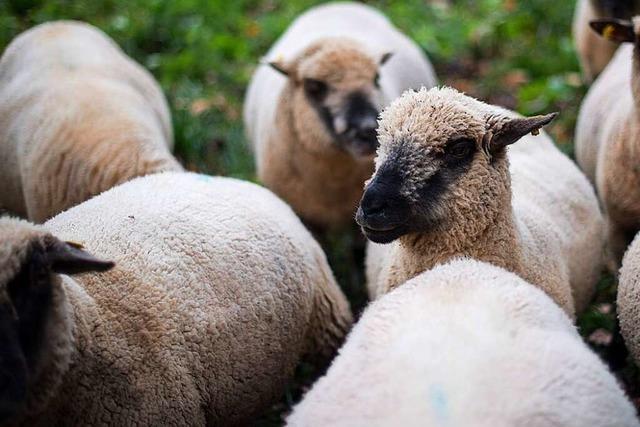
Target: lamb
(627,299)
(607,135)
(595,52)
(77,117)
(444,186)
(311,109)
(465,344)
(217,293)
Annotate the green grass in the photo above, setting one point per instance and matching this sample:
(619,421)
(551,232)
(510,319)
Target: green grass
(514,53)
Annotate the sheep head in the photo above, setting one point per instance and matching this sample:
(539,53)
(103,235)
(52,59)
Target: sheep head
(441,163)
(30,257)
(336,95)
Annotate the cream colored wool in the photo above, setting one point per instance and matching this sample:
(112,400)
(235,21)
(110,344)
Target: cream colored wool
(532,212)
(296,156)
(77,117)
(594,52)
(607,147)
(217,293)
(466,344)
(627,300)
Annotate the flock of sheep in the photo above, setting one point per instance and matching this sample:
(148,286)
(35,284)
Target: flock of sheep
(154,296)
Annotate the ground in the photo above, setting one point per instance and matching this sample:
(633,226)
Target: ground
(515,53)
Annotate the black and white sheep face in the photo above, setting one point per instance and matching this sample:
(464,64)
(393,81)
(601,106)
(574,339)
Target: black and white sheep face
(441,161)
(349,116)
(26,310)
(337,92)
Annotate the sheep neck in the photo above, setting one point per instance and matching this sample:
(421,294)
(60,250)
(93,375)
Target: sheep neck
(498,243)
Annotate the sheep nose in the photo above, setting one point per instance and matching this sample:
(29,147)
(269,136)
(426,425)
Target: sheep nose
(374,202)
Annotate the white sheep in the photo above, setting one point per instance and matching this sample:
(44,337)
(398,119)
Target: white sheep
(311,109)
(466,344)
(607,135)
(627,299)
(217,293)
(595,52)
(77,117)
(444,186)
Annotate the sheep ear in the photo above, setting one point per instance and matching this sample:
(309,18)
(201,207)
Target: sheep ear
(385,57)
(70,258)
(281,67)
(515,128)
(615,30)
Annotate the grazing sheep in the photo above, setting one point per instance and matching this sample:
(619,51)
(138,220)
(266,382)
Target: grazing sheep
(595,52)
(77,117)
(607,136)
(217,293)
(466,344)
(628,295)
(311,112)
(444,186)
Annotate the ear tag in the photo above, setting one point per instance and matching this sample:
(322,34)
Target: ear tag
(609,31)
(75,244)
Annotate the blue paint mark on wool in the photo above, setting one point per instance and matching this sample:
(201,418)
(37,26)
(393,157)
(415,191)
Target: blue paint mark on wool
(438,399)
(204,178)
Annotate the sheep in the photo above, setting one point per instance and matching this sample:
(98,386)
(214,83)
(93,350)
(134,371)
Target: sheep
(217,293)
(627,299)
(310,111)
(444,186)
(595,52)
(606,138)
(465,344)
(77,117)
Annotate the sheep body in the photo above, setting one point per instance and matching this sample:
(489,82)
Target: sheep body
(217,293)
(551,216)
(627,299)
(606,134)
(321,182)
(465,344)
(77,117)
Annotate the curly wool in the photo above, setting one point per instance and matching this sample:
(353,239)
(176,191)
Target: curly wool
(628,306)
(217,293)
(77,117)
(466,344)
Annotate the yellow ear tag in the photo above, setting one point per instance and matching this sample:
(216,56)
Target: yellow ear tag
(75,244)
(608,31)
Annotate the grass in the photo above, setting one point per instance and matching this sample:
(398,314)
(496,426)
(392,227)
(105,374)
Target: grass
(515,53)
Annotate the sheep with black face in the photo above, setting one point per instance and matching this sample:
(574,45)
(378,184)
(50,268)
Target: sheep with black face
(311,109)
(445,186)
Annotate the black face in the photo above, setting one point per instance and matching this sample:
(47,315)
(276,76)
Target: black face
(360,115)
(621,9)
(385,213)
(22,323)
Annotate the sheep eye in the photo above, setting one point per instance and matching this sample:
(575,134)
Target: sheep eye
(315,89)
(376,80)
(460,148)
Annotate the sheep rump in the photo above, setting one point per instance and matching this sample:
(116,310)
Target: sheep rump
(217,293)
(465,344)
(77,117)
